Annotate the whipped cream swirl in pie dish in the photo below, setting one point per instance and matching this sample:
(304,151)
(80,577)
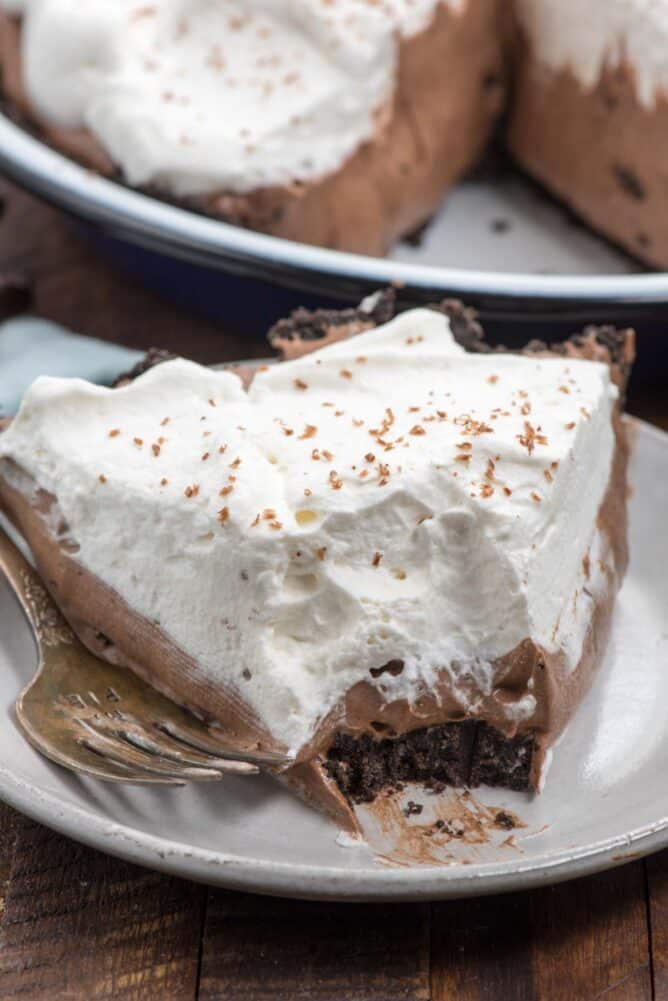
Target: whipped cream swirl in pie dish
(343,123)
(333,122)
(390,524)
(194,96)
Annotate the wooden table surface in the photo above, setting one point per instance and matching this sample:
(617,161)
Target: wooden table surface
(75,924)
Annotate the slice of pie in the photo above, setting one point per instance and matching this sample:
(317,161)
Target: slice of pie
(394,557)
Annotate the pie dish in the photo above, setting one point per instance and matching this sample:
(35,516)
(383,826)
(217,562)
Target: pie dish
(394,557)
(344,124)
(302,121)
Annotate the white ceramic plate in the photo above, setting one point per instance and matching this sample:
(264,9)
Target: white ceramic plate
(605,801)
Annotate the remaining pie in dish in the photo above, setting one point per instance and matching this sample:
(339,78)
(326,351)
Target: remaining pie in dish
(338,123)
(394,557)
(343,123)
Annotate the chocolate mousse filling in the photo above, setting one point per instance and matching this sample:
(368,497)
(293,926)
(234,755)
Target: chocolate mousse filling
(599,149)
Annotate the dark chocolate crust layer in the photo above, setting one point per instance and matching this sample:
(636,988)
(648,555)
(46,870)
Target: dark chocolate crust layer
(308,330)
(315,324)
(469,753)
(153,357)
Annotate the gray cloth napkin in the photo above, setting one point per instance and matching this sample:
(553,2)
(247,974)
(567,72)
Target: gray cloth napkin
(30,347)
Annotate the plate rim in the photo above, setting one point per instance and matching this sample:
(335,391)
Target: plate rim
(310,881)
(313,882)
(167,228)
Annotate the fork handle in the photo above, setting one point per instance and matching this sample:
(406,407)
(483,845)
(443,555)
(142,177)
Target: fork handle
(27,585)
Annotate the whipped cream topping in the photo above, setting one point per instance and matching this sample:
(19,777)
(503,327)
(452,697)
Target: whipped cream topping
(387,497)
(412,16)
(196,96)
(587,37)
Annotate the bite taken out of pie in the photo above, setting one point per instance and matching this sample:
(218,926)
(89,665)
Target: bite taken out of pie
(393,557)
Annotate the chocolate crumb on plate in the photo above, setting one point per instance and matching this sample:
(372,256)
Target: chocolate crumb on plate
(505,820)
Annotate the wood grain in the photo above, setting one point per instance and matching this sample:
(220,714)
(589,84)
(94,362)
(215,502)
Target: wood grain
(656,869)
(7,822)
(79,925)
(572,942)
(259,949)
(590,938)
(481,949)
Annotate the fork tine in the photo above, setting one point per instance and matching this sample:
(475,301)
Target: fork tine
(196,742)
(129,774)
(131,757)
(163,751)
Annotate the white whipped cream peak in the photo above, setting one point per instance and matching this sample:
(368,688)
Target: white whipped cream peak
(587,37)
(196,96)
(412,16)
(388,497)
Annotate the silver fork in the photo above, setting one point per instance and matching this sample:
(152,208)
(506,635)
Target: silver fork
(104,721)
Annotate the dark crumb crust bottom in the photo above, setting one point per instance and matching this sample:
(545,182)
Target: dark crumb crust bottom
(305,325)
(315,324)
(308,326)
(470,753)
(153,357)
